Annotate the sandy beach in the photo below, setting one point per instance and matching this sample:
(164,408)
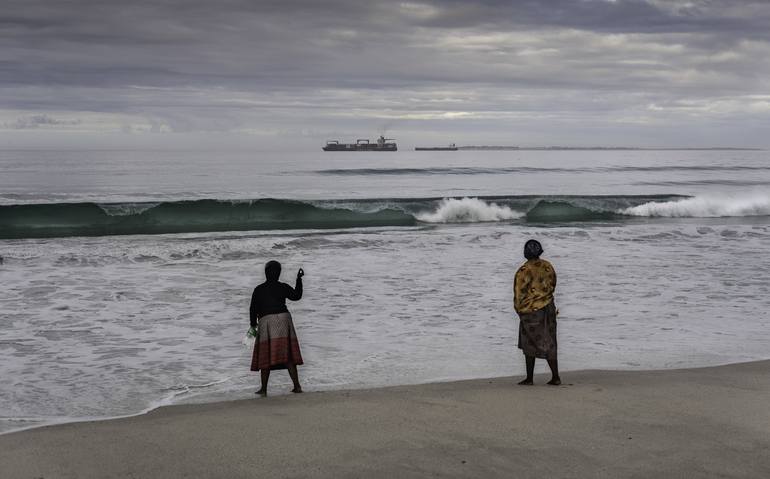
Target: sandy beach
(709,422)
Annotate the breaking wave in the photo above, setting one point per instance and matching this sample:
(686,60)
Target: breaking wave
(92,219)
(211,215)
(704,207)
(563,211)
(468,210)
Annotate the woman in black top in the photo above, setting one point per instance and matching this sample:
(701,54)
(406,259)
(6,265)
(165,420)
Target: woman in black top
(276,346)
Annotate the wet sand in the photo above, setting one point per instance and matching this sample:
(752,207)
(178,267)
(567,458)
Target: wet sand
(709,422)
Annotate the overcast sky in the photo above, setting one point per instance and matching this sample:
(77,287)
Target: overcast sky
(232,72)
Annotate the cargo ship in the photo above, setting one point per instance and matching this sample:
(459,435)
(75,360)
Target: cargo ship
(451,147)
(382,144)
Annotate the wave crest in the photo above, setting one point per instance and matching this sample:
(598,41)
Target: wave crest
(467,210)
(188,216)
(704,207)
(126,209)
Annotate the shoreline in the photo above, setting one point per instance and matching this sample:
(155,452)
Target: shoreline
(169,402)
(700,422)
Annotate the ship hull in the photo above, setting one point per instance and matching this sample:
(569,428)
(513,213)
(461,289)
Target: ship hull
(360,147)
(438,148)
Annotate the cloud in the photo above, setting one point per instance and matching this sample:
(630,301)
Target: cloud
(36,121)
(239,65)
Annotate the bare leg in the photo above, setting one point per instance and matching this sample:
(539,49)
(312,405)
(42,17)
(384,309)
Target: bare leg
(294,377)
(264,375)
(528,381)
(554,365)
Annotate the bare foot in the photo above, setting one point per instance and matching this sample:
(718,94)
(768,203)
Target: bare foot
(297,390)
(261,392)
(526,382)
(554,382)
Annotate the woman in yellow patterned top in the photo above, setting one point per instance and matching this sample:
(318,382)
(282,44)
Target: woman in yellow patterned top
(533,288)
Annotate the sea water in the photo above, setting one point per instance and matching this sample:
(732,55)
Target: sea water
(127,274)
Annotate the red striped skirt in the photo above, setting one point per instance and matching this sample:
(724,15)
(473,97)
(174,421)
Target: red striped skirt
(276,346)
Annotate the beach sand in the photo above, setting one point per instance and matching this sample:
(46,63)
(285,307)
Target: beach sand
(709,422)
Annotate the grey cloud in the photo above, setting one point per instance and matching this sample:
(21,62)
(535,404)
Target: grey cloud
(217,66)
(236,43)
(740,19)
(36,121)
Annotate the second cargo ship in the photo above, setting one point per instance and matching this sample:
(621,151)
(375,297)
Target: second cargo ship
(382,144)
(451,147)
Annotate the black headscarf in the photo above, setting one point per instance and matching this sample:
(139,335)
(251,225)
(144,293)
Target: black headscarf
(272,270)
(532,249)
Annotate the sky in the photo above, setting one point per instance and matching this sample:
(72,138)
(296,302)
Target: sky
(248,73)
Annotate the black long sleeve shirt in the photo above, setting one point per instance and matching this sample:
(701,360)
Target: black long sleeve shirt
(270,298)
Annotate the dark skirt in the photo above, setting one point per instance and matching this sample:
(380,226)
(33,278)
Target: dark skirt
(276,346)
(537,332)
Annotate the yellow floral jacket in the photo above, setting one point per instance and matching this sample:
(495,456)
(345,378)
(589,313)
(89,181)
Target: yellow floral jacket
(533,286)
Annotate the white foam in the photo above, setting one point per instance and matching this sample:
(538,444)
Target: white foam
(112,338)
(126,209)
(468,210)
(757,204)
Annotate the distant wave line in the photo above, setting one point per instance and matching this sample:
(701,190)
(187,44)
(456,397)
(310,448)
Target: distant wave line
(527,170)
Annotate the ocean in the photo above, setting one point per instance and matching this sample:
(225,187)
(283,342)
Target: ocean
(127,274)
